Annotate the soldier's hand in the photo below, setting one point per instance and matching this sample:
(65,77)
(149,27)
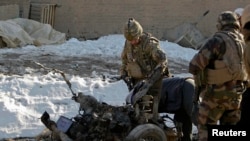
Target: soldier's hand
(128,81)
(125,78)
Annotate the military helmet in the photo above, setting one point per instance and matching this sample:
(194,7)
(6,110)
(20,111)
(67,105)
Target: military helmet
(238,11)
(227,18)
(132,29)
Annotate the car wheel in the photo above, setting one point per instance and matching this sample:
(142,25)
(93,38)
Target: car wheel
(146,132)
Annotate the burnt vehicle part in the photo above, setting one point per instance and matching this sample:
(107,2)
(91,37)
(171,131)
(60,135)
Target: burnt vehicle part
(98,121)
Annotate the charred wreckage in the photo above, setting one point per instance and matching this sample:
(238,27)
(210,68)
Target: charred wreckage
(99,121)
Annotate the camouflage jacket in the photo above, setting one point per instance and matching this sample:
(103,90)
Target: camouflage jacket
(245,19)
(247,56)
(139,61)
(225,50)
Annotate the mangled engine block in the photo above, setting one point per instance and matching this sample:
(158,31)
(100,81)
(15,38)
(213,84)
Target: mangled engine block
(95,122)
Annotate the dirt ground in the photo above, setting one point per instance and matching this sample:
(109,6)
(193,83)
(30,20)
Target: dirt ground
(20,64)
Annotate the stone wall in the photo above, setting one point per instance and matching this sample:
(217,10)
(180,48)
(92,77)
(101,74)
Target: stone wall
(94,18)
(14,9)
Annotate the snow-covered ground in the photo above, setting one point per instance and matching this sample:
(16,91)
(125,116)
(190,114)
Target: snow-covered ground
(27,93)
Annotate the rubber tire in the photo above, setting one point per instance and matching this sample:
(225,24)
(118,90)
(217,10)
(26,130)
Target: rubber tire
(148,132)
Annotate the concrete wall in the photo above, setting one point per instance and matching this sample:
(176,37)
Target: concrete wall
(14,9)
(94,18)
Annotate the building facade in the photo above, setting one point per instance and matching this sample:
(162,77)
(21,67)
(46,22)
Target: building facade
(90,19)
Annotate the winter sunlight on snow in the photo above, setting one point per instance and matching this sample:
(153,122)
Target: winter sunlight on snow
(24,98)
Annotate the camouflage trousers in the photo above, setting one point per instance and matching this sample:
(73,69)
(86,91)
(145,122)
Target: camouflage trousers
(217,107)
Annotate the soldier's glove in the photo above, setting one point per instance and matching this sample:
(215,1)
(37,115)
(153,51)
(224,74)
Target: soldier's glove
(128,81)
(124,77)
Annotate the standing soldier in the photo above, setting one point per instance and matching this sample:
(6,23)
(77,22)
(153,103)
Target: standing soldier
(245,103)
(218,69)
(143,59)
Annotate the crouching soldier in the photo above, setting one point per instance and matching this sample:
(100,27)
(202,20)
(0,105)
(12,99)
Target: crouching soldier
(143,60)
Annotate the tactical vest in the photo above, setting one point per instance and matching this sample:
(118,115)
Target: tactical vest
(140,65)
(232,66)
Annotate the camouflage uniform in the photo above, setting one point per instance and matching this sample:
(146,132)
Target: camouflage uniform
(245,22)
(219,69)
(140,61)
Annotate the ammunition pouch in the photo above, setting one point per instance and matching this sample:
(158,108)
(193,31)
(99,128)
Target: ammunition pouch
(134,70)
(218,76)
(234,87)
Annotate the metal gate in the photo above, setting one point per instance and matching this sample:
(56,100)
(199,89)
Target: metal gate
(44,13)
